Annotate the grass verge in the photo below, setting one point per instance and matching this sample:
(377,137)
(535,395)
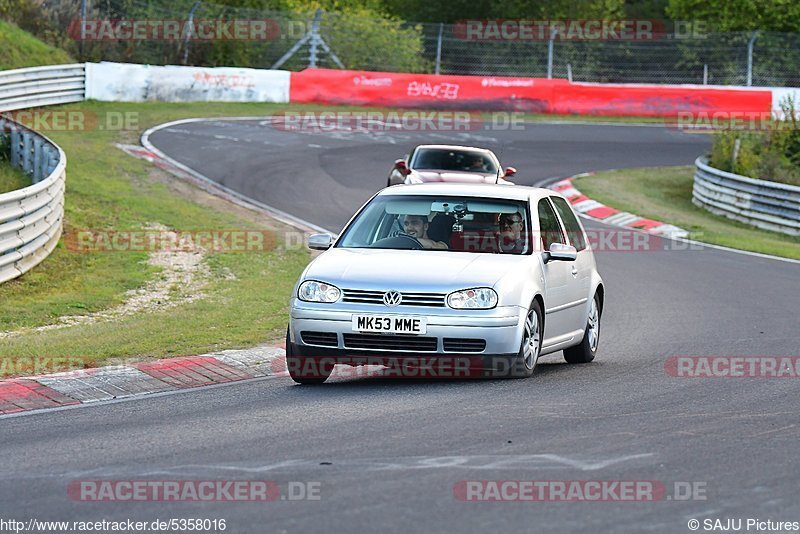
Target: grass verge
(11,179)
(665,194)
(246,293)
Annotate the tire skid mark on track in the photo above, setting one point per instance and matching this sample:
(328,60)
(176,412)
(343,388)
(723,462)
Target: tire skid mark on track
(515,462)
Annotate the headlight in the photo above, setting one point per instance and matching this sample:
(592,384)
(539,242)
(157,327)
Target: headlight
(479,298)
(313,291)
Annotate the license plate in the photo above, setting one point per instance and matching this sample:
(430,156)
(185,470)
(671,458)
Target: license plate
(390,324)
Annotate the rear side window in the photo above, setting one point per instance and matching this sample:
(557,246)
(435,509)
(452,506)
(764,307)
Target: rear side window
(548,225)
(571,222)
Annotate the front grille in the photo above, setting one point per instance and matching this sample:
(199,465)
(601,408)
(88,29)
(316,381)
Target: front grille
(325,339)
(399,343)
(452,344)
(360,296)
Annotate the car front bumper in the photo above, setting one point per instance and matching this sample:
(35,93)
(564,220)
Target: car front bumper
(479,335)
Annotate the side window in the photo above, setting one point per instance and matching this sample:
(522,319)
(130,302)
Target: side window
(548,225)
(571,222)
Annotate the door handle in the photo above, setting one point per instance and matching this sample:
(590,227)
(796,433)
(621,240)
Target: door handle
(574,271)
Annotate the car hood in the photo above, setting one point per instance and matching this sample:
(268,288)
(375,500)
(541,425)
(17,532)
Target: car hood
(423,270)
(452,176)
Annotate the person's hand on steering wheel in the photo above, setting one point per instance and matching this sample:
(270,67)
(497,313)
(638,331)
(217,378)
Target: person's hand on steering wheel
(416,241)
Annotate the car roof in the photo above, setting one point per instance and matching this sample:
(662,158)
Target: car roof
(503,191)
(455,147)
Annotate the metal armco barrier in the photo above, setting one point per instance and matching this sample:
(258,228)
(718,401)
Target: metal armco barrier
(42,86)
(768,205)
(31,218)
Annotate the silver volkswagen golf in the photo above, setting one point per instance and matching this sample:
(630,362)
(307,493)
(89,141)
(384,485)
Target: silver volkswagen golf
(473,277)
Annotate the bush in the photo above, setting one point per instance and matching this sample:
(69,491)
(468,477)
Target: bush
(773,154)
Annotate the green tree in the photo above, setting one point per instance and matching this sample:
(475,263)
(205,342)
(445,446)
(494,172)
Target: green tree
(455,10)
(739,15)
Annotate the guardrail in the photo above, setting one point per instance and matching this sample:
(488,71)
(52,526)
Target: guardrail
(42,86)
(31,219)
(768,205)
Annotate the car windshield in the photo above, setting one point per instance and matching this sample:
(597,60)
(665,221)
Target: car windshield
(459,224)
(452,160)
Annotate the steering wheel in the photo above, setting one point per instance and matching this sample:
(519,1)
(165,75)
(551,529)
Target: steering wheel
(401,241)
(417,244)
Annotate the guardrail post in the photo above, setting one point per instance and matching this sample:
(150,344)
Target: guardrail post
(52,162)
(5,140)
(15,148)
(37,160)
(27,141)
(44,162)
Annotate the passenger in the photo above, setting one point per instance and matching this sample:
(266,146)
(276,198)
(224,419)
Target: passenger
(417,226)
(511,238)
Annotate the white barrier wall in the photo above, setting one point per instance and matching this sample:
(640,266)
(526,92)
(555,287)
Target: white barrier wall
(780,93)
(122,82)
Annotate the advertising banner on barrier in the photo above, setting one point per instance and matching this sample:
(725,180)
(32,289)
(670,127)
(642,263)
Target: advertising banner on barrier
(656,100)
(390,89)
(122,82)
(534,95)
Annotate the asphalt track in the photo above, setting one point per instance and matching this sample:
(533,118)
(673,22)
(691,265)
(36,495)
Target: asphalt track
(388,453)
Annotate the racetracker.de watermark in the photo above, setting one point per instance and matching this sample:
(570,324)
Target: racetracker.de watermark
(389,366)
(193,491)
(560,30)
(733,366)
(66,120)
(598,240)
(174,30)
(759,121)
(223,241)
(41,365)
(578,491)
(396,121)
(578,30)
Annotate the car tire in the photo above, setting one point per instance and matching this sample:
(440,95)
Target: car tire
(587,349)
(303,370)
(530,344)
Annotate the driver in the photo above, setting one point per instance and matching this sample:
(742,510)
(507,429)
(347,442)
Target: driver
(417,226)
(476,163)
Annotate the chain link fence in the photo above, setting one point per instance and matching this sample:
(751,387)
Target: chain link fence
(353,42)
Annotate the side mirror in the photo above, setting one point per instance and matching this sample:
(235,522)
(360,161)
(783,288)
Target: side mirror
(320,241)
(402,167)
(561,252)
(510,171)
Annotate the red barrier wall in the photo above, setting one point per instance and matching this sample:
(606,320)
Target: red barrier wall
(422,90)
(534,95)
(656,100)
